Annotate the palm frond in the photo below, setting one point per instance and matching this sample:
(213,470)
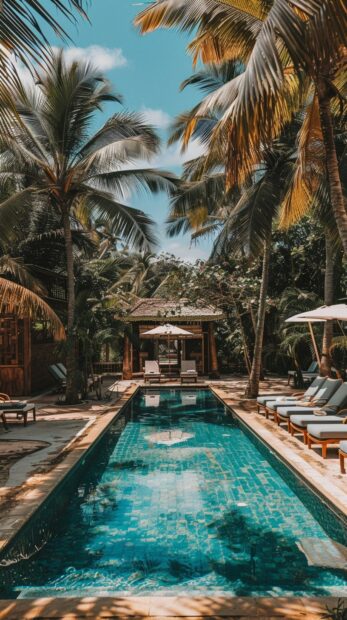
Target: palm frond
(125,137)
(125,182)
(16,268)
(17,299)
(134,226)
(307,169)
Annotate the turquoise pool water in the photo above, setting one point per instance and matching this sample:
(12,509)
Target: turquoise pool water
(178,499)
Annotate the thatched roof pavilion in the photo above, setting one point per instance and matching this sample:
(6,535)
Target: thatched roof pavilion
(200,346)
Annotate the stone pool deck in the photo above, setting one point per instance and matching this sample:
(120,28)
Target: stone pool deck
(63,435)
(323,475)
(167,608)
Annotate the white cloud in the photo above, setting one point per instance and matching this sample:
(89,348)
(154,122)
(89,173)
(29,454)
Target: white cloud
(158,118)
(103,58)
(172,156)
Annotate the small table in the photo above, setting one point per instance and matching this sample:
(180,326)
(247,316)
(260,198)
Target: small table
(23,411)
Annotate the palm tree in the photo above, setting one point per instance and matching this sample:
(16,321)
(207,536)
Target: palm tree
(245,229)
(56,163)
(23,38)
(288,48)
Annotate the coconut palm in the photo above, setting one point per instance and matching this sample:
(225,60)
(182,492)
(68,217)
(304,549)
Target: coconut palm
(57,163)
(245,227)
(22,38)
(288,48)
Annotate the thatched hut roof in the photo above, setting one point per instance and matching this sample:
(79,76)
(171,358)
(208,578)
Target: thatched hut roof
(156,309)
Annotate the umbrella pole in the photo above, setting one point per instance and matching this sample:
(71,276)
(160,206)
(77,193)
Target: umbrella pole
(168,349)
(314,342)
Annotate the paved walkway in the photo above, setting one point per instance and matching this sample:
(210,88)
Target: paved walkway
(160,608)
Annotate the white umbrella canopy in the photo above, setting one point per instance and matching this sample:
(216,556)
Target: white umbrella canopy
(168,330)
(327,313)
(301,318)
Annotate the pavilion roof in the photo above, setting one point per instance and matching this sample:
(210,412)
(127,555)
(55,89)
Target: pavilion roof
(156,309)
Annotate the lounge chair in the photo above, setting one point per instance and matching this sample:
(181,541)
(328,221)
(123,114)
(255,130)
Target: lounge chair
(307,375)
(343,456)
(325,435)
(152,371)
(321,398)
(334,412)
(188,370)
(19,408)
(273,402)
(58,376)
(94,382)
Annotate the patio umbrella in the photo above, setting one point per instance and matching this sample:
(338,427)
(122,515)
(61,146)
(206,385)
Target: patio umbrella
(168,330)
(327,313)
(305,317)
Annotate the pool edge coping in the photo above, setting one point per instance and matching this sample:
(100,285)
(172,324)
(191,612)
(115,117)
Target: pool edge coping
(310,608)
(35,493)
(305,471)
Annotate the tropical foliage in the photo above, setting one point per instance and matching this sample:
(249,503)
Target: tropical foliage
(268,189)
(54,164)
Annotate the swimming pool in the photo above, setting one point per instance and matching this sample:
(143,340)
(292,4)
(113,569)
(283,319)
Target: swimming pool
(180,499)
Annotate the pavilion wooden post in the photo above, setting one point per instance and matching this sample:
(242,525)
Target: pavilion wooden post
(127,369)
(214,374)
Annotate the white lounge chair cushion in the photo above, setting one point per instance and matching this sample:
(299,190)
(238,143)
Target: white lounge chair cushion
(262,400)
(328,431)
(275,404)
(304,420)
(286,412)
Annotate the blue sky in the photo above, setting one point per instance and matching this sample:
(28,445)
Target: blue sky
(147,71)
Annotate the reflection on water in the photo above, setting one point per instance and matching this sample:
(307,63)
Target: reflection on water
(179,500)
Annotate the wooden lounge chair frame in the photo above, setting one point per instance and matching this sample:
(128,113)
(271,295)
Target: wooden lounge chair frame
(294,429)
(322,442)
(20,411)
(342,457)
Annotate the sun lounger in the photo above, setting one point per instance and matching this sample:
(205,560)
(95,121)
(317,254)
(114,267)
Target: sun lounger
(94,382)
(152,371)
(326,435)
(18,408)
(188,371)
(343,456)
(334,412)
(59,373)
(273,402)
(58,376)
(321,398)
(310,373)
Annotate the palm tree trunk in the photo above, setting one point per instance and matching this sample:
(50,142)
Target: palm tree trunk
(325,365)
(335,187)
(71,396)
(253,381)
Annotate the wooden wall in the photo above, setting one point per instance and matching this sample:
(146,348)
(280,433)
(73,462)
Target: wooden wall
(42,355)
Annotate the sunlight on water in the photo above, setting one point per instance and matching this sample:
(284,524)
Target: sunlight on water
(179,500)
